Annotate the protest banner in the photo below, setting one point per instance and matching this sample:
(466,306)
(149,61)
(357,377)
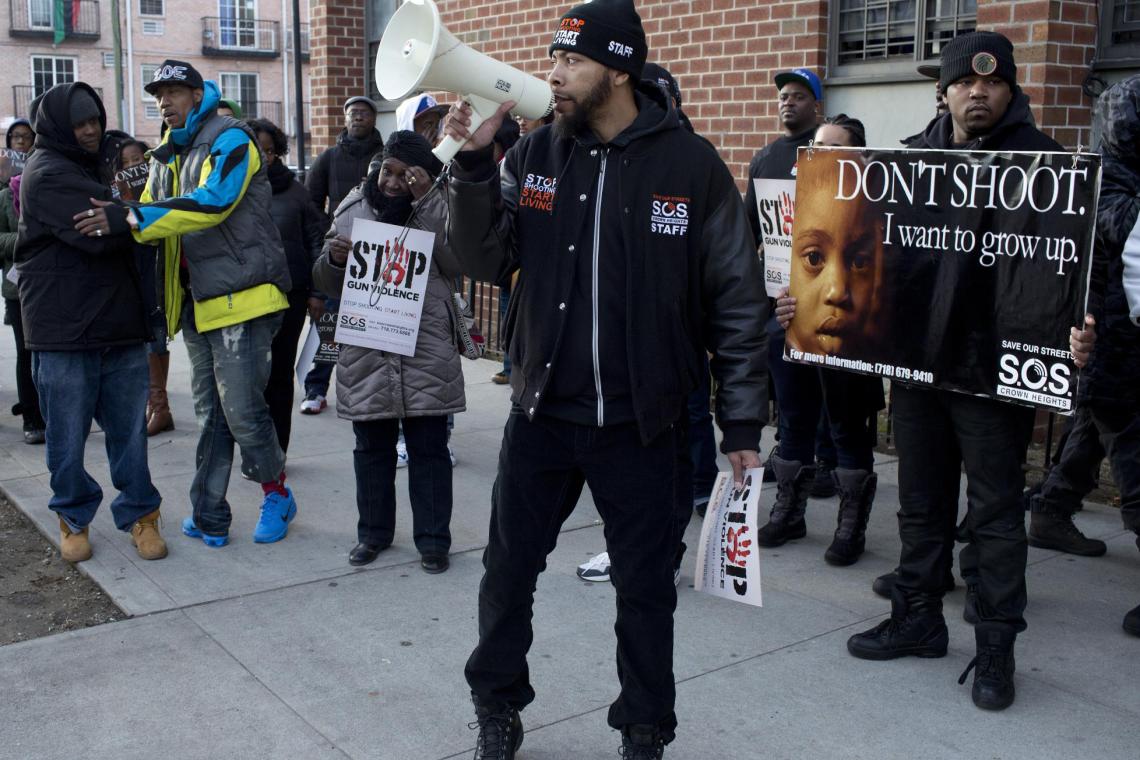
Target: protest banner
(727,564)
(776,205)
(130,183)
(384,286)
(11,163)
(950,269)
(328,350)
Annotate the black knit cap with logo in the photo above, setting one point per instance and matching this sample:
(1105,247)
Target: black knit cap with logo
(978,53)
(607,31)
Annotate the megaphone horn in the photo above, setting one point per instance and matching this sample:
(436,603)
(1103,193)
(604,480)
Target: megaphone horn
(418,53)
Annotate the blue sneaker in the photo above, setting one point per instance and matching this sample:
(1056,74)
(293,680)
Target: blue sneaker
(190,529)
(277,512)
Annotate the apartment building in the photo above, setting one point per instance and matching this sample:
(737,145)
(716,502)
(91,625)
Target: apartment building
(246,46)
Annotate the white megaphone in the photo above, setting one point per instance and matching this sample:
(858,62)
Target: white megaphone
(418,53)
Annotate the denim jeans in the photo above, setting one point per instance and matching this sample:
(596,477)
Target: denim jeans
(229,369)
(429,481)
(109,386)
(543,465)
(937,432)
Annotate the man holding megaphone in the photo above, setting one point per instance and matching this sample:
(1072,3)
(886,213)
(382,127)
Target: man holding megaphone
(634,256)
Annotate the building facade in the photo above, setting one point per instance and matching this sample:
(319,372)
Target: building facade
(724,54)
(246,46)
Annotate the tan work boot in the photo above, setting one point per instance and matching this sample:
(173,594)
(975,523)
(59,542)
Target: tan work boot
(158,419)
(146,538)
(75,547)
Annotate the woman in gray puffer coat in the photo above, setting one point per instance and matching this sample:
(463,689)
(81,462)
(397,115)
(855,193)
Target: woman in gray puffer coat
(379,390)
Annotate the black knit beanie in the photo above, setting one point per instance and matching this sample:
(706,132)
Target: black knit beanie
(978,53)
(661,75)
(607,31)
(413,149)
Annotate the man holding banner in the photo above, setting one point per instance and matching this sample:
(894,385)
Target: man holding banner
(959,301)
(633,253)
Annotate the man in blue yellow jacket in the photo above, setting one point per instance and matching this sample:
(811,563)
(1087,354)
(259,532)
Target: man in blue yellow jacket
(207,202)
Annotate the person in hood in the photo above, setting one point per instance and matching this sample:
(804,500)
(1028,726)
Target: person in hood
(633,254)
(423,115)
(225,283)
(940,431)
(20,138)
(302,231)
(381,391)
(18,141)
(84,322)
(332,176)
(1108,403)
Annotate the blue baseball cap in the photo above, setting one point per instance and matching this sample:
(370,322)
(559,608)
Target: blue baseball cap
(806,77)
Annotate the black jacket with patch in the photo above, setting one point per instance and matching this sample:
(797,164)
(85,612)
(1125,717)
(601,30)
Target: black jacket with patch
(76,292)
(633,257)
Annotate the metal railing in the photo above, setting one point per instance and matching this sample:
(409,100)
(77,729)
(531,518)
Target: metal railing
(263,109)
(304,41)
(483,299)
(36,18)
(24,94)
(240,37)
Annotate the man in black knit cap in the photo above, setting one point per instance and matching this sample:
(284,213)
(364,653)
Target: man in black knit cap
(939,431)
(633,253)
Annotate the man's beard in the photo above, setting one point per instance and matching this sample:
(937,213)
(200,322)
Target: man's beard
(568,126)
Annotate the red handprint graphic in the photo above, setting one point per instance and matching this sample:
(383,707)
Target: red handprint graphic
(396,266)
(738,551)
(787,213)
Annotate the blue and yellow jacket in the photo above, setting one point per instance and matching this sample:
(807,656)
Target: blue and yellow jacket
(208,203)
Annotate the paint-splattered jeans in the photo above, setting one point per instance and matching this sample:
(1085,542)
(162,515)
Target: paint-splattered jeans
(229,370)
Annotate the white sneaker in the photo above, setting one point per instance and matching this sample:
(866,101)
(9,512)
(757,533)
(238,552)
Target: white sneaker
(401,454)
(313,404)
(597,570)
(451,453)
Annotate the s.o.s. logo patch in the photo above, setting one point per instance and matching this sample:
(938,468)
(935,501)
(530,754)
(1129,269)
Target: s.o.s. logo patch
(669,215)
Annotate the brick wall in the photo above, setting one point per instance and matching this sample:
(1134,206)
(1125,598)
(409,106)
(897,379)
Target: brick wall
(337,65)
(1054,41)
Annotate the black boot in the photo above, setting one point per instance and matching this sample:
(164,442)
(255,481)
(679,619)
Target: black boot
(993,667)
(856,493)
(1056,530)
(823,485)
(916,628)
(500,732)
(641,742)
(970,604)
(786,522)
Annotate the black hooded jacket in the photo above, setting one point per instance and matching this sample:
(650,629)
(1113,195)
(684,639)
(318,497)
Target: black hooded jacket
(301,226)
(957,337)
(76,292)
(1114,373)
(633,258)
(340,168)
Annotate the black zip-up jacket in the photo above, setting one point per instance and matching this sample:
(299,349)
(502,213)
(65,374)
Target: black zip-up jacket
(1113,374)
(301,226)
(777,160)
(958,337)
(339,169)
(670,215)
(76,292)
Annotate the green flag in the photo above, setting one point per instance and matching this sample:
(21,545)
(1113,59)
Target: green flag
(63,18)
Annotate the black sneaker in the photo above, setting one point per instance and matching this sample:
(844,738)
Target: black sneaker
(1132,621)
(639,742)
(993,668)
(912,635)
(500,733)
(970,605)
(1059,533)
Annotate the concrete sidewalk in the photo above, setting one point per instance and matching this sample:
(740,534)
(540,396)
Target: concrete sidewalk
(284,651)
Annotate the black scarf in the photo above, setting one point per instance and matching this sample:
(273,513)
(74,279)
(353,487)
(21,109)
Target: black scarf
(280,177)
(390,210)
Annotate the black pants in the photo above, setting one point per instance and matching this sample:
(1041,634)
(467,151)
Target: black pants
(25,387)
(279,389)
(542,467)
(1098,429)
(936,433)
(429,481)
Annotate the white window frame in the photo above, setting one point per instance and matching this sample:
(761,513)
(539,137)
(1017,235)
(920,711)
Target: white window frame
(239,27)
(150,103)
(152,15)
(55,80)
(257,85)
(32,17)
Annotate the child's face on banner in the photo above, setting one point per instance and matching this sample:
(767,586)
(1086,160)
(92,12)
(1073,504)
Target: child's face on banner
(837,262)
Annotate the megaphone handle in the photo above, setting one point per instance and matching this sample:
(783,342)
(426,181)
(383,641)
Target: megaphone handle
(481,110)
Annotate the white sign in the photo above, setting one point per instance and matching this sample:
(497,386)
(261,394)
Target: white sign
(384,287)
(776,205)
(728,563)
